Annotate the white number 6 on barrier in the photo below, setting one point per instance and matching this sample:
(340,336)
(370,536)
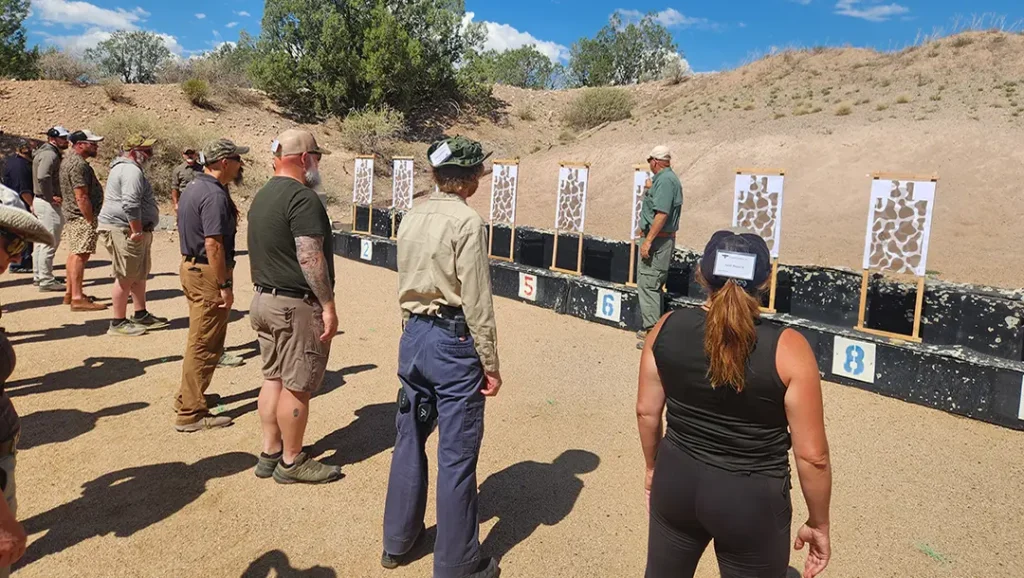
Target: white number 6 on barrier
(609,305)
(366,250)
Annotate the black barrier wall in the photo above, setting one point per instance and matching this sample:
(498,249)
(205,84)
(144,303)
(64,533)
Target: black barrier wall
(954,379)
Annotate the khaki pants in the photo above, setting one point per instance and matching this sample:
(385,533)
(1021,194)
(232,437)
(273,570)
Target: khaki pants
(651,274)
(207,327)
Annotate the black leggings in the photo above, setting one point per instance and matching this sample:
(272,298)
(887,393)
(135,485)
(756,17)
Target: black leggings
(748,516)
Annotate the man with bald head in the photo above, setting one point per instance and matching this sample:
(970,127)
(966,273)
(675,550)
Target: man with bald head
(291,255)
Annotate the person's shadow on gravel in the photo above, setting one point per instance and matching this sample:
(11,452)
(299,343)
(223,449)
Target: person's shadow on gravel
(127,501)
(94,373)
(372,432)
(530,494)
(275,563)
(61,425)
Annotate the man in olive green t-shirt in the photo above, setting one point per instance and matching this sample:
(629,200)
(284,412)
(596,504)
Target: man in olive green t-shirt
(659,221)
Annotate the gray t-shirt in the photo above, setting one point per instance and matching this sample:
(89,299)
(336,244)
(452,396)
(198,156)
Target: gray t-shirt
(206,210)
(128,197)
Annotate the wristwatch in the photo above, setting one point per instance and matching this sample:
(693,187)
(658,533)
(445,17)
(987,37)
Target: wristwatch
(226,285)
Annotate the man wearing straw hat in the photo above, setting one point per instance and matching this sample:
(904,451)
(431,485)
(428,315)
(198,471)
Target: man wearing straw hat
(659,221)
(17,227)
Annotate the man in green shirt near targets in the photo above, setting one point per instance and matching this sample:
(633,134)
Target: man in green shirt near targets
(659,221)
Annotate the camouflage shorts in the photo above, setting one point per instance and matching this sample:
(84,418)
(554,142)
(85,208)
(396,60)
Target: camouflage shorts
(80,236)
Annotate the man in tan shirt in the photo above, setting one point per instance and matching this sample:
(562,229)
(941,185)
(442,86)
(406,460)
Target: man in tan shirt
(447,363)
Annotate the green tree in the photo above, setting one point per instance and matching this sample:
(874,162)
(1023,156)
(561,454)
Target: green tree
(525,67)
(132,56)
(322,57)
(621,53)
(15,61)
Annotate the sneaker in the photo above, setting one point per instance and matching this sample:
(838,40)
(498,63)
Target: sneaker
(35,282)
(488,568)
(150,321)
(126,329)
(20,270)
(640,345)
(306,470)
(392,561)
(52,287)
(641,335)
(266,465)
(86,305)
(208,422)
(229,360)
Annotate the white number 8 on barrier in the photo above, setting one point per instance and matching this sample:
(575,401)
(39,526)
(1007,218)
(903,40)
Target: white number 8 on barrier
(366,250)
(609,305)
(527,287)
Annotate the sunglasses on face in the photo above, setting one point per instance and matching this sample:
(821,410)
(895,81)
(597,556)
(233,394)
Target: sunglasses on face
(236,158)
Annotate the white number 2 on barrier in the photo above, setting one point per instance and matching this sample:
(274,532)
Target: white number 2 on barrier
(366,250)
(609,305)
(527,287)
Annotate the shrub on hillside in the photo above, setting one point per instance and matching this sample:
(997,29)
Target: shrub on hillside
(241,96)
(525,112)
(114,89)
(197,92)
(56,65)
(598,105)
(372,131)
(844,110)
(171,140)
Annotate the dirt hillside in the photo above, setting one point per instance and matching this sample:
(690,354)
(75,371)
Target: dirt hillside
(829,117)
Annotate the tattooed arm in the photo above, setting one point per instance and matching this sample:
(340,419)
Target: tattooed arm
(310,252)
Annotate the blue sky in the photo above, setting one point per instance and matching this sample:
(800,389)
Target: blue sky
(713,35)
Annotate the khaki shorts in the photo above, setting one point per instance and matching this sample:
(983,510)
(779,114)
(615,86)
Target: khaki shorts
(289,331)
(80,236)
(132,260)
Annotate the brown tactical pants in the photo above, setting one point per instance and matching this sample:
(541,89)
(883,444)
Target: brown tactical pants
(207,327)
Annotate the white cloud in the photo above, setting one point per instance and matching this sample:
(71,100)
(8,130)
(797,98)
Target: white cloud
(870,10)
(231,25)
(200,16)
(78,44)
(801,2)
(243,14)
(75,13)
(669,18)
(502,37)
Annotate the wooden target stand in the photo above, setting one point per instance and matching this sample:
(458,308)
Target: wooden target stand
(394,212)
(490,225)
(774,279)
(369,209)
(915,336)
(634,248)
(579,236)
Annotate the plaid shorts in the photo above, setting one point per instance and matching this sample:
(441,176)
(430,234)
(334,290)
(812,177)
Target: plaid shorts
(80,236)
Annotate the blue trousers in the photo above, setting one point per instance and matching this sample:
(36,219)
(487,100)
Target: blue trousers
(436,367)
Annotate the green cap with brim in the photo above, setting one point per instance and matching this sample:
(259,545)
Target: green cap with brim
(222,149)
(458,151)
(137,141)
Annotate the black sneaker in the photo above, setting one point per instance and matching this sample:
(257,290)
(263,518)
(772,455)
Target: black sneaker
(392,561)
(150,321)
(488,568)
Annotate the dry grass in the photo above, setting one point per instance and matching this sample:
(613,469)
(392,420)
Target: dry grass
(844,110)
(881,106)
(197,92)
(902,99)
(114,89)
(598,105)
(372,131)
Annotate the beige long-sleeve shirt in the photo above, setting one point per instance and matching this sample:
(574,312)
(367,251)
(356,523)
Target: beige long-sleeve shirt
(442,260)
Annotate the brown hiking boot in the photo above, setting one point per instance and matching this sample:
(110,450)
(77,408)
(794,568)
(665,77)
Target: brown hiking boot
(86,305)
(208,422)
(67,298)
(306,470)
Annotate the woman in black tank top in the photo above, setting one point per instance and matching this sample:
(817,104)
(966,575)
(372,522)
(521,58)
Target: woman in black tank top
(736,390)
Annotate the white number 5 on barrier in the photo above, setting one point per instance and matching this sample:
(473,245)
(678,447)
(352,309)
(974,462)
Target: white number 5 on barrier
(527,287)
(366,250)
(609,305)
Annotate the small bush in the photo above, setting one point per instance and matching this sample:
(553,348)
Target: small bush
(779,115)
(525,112)
(197,92)
(961,41)
(114,89)
(749,107)
(598,105)
(372,131)
(816,110)
(863,101)
(935,97)
(902,99)
(844,110)
(240,96)
(881,106)
(801,111)
(674,72)
(56,65)
(885,83)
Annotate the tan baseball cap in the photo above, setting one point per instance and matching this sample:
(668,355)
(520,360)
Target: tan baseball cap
(296,142)
(660,153)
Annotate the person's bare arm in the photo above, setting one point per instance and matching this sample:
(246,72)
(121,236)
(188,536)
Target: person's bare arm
(174,198)
(217,258)
(650,402)
(310,253)
(84,204)
(798,369)
(659,223)
(12,536)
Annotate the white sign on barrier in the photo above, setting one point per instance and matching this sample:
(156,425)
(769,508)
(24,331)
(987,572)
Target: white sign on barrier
(853,359)
(1020,409)
(609,305)
(528,286)
(366,250)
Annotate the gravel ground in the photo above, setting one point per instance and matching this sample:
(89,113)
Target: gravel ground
(108,488)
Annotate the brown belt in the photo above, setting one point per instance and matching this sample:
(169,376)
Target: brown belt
(664,235)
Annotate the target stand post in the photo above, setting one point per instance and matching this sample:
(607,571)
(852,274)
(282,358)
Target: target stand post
(914,337)
(503,210)
(363,199)
(578,232)
(641,174)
